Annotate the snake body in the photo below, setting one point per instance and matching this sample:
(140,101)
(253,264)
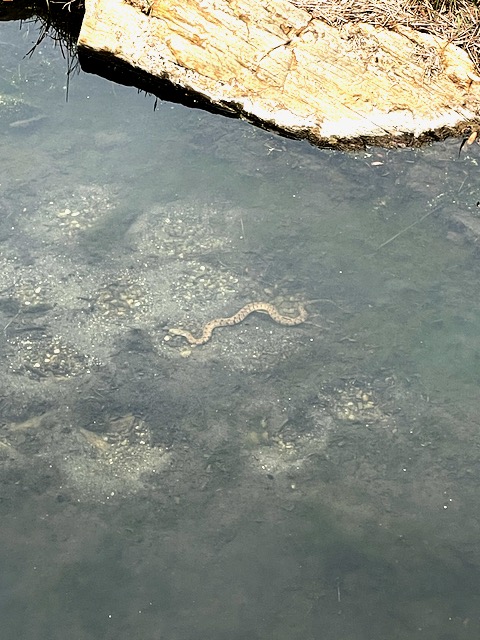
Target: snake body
(263,307)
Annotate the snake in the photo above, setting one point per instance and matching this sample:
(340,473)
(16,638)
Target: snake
(261,307)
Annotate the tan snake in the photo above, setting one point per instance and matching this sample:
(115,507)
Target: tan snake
(238,317)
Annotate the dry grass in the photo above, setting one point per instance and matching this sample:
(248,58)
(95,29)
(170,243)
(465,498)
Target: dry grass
(457,21)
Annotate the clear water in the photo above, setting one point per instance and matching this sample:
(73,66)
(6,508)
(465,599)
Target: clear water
(310,482)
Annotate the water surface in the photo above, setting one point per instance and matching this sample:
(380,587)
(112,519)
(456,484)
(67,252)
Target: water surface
(312,482)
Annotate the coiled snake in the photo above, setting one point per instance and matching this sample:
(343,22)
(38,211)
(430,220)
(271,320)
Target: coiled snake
(263,307)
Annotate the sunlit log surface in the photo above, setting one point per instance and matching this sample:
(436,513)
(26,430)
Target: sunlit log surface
(273,64)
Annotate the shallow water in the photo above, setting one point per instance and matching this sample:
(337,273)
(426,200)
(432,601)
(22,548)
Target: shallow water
(317,481)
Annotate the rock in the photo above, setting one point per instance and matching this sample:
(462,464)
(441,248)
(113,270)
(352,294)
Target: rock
(277,66)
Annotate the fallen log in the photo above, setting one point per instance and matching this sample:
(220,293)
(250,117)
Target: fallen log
(277,66)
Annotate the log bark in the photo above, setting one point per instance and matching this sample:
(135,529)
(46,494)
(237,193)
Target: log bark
(275,65)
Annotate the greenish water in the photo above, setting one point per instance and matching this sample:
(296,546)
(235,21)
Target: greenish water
(317,481)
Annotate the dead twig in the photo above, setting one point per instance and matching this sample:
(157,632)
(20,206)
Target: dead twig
(400,233)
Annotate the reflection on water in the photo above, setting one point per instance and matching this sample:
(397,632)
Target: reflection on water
(309,481)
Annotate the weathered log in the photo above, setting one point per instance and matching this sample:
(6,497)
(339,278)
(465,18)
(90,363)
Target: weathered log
(277,66)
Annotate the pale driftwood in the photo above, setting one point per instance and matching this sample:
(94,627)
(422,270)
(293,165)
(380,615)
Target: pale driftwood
(275,65)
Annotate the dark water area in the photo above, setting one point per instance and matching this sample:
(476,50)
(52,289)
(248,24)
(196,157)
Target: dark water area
(279,482)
